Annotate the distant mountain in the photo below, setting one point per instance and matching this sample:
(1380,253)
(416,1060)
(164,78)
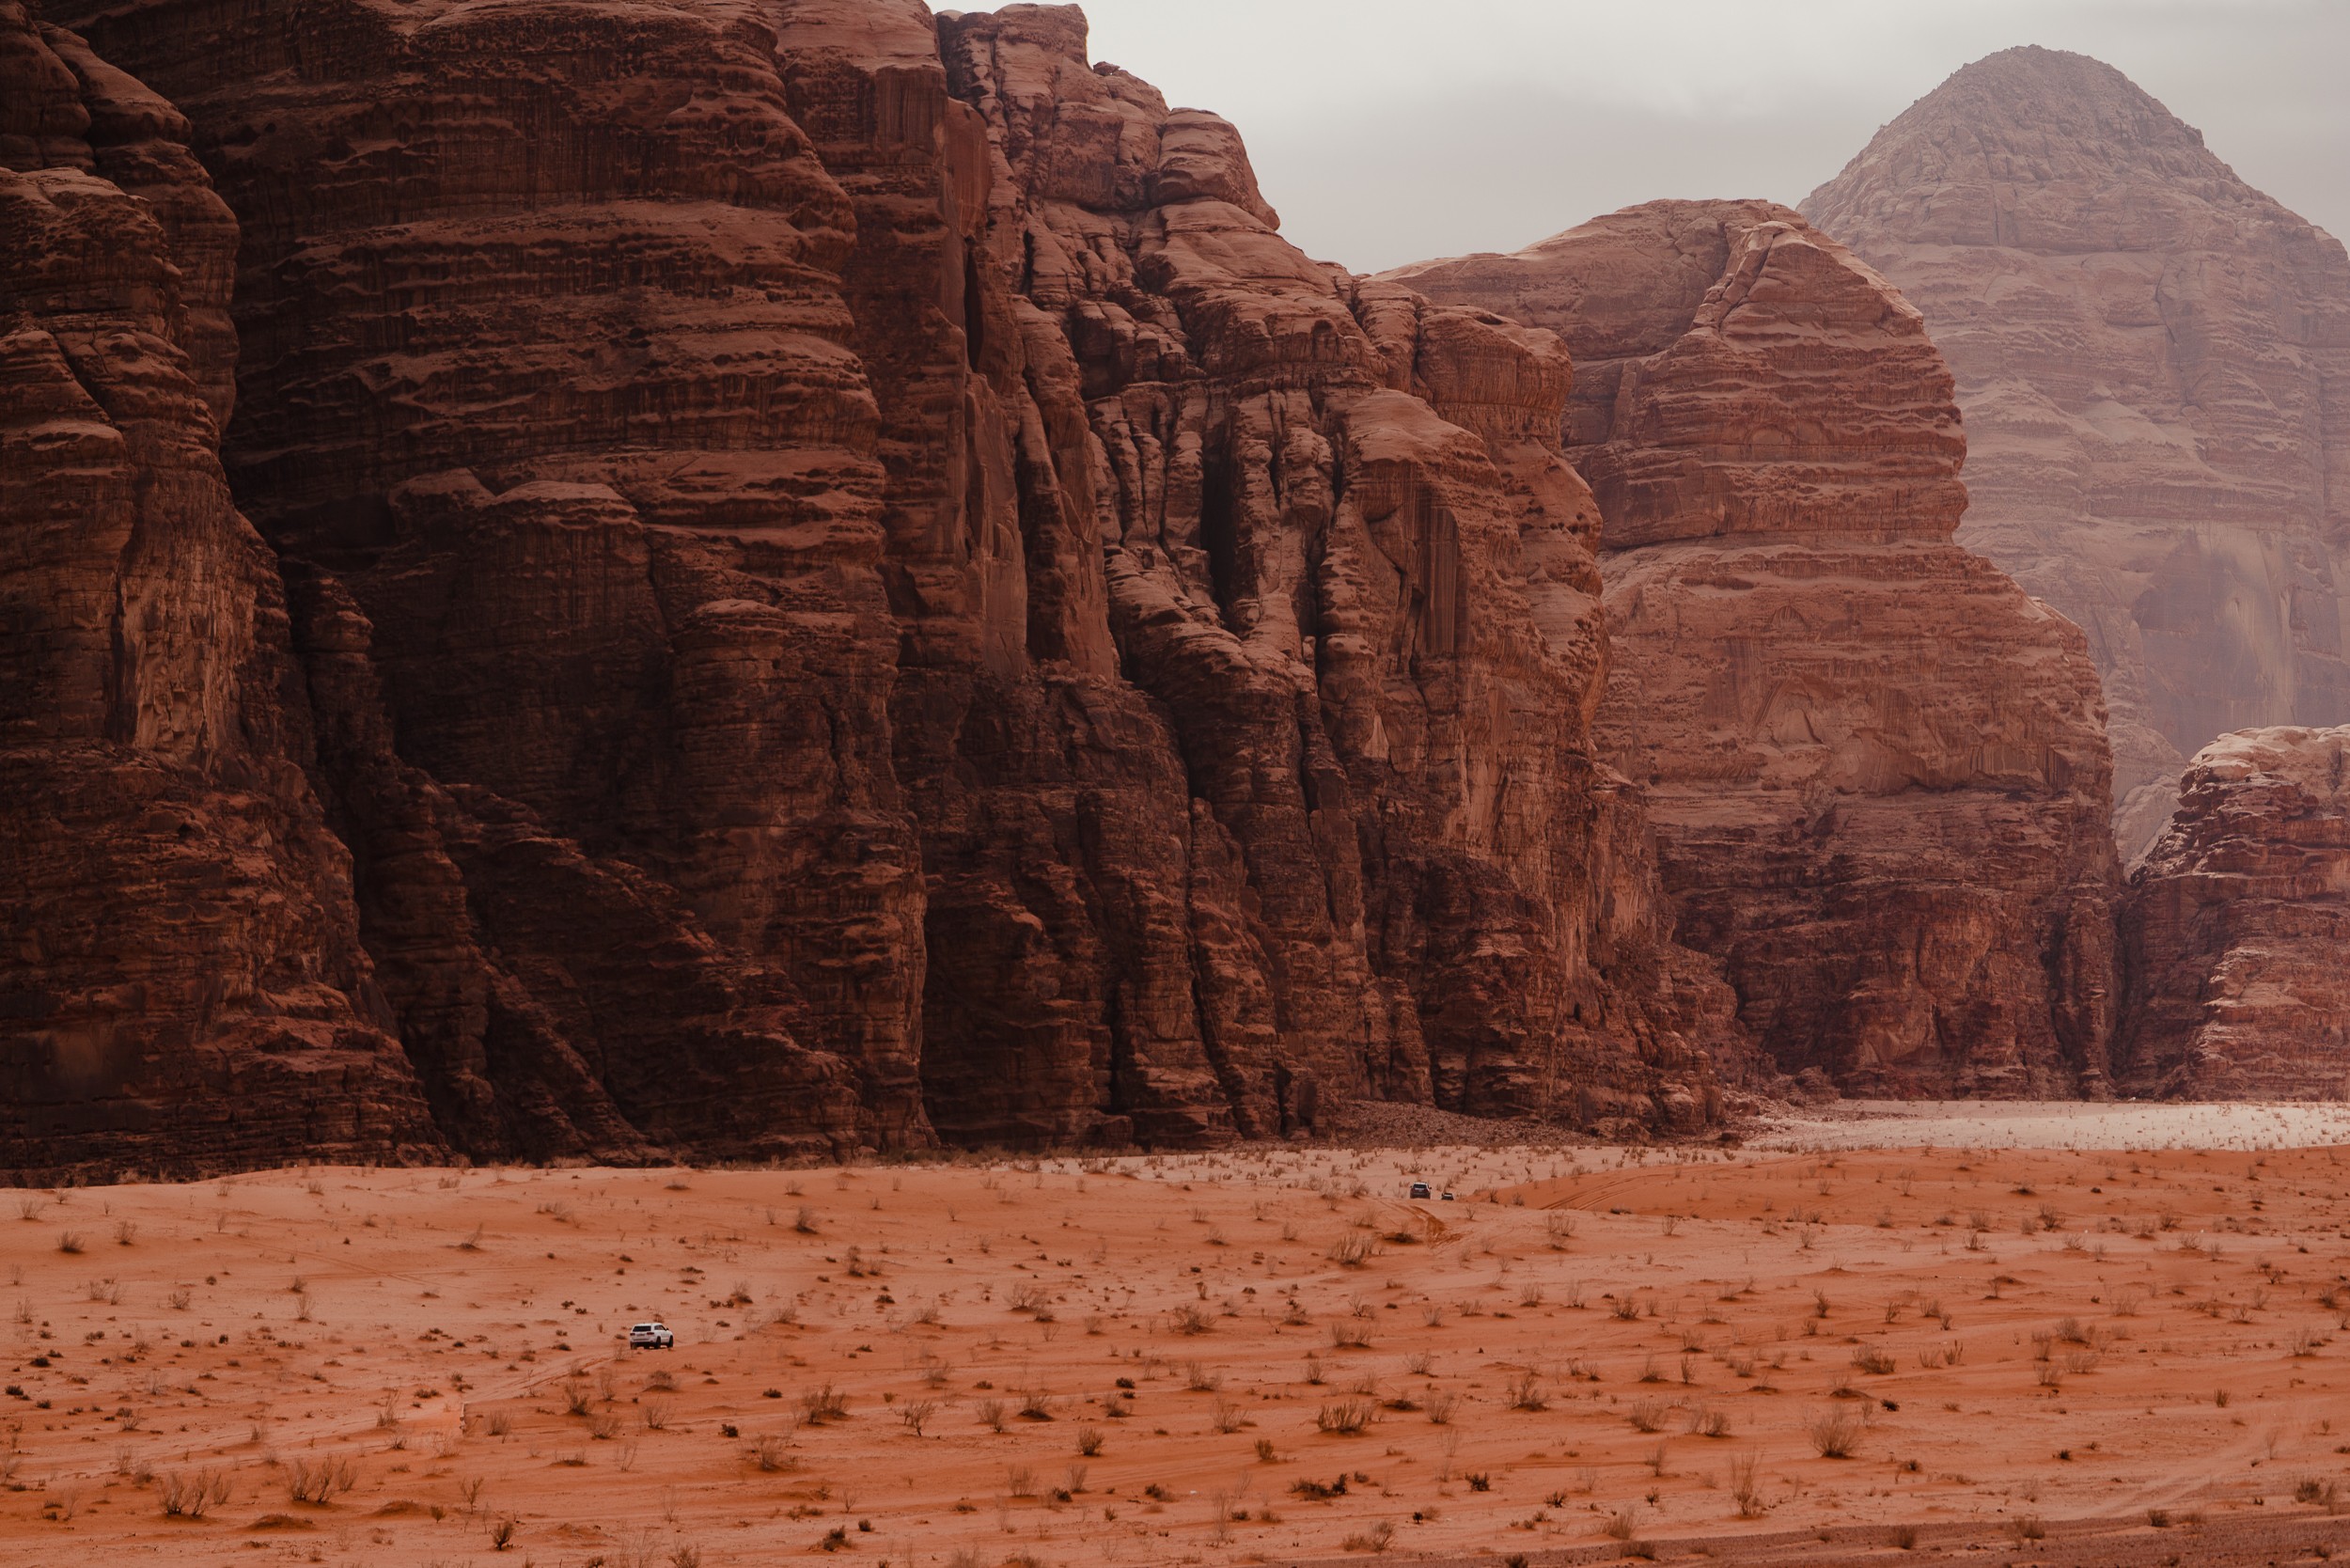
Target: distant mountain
(2154,367)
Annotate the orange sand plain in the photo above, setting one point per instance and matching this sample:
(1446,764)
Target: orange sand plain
(2138,1356)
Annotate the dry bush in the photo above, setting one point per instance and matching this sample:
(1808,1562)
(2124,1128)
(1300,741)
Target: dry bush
(1873,1359)
(1526,1392)
(1347,1417)
(1350,1334)
(318,1481)
(193,1497)
(914,1413)
(990,1413)
(823,1403)
(1646,1415)
(1836,1434)
(770,1455)
(1090,1441)
(1746,1486)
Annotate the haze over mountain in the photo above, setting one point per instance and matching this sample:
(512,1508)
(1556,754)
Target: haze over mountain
(1515,119)
(2153,362)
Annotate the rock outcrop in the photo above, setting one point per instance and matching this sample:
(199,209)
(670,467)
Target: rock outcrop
(849,588)
(1877,769)
(179,968)
(2153,361)
(2237,923)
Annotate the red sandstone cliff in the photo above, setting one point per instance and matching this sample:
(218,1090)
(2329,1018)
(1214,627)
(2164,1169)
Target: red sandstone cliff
(179,966)
(1877,769)
(2237,924)
(2153,359)
(847,583)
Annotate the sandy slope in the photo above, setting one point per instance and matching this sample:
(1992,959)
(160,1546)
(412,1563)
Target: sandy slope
(432,1330)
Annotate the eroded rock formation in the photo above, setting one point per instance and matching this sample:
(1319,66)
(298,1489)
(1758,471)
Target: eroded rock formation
(2237,923)
(1878,771)
(2153,359)
(179,966)
(848,585)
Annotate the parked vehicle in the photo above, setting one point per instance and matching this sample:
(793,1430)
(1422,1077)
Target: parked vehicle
(650,1336)
(1419,1189)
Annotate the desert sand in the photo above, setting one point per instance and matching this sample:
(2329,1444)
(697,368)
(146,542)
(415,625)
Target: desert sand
(1271,1356)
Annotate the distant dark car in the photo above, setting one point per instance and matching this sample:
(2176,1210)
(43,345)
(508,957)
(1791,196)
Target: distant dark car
(1447,1197)
(1419,1189)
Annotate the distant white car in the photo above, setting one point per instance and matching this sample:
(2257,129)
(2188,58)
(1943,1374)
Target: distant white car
(650,1336)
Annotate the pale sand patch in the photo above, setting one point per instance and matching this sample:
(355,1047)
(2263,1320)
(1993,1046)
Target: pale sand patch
(2058,1124)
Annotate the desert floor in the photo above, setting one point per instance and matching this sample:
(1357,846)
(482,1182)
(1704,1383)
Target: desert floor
(2045,1354)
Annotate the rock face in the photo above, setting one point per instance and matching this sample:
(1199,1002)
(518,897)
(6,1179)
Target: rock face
(2236,926)
(849,588)
(179,966)
(2153,360)
(1877,769)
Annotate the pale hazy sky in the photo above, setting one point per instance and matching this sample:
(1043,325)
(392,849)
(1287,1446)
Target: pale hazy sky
(1388,131)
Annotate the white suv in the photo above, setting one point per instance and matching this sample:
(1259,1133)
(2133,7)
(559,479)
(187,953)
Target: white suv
(650,1336)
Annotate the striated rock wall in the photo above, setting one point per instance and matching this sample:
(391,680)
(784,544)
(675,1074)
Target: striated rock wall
(546,399)
(2153,359)
(1343,571)
(849,588)
(2235,925)
(1877,769)
(179,968)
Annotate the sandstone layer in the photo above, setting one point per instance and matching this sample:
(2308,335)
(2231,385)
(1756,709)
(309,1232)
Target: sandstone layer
(1877,769)
(849,587)
(2153,361)
(179,966)
(2237,924)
